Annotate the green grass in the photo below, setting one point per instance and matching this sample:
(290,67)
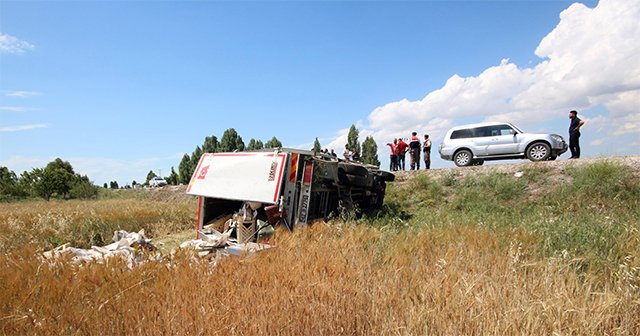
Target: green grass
(590,215)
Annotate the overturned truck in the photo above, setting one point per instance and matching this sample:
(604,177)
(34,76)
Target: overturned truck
(251,190)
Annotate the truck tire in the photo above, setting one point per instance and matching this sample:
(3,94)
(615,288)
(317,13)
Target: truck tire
(386,176)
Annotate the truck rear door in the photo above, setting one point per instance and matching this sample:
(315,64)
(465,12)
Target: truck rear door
(255,177)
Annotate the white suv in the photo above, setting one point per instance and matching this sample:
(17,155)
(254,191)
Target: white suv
(473,144)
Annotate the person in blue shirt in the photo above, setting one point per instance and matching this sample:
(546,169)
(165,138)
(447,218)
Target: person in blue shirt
(574,134)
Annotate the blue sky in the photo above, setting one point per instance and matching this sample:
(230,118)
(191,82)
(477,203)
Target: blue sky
(119,88)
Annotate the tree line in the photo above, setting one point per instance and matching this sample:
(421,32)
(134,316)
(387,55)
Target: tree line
(57,179)
(231,141)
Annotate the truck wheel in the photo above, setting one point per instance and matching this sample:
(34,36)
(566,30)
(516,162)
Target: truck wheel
(539,151)
(386,176)
(463,158)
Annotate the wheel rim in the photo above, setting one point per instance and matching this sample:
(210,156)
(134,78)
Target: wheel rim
(462,158)
(538,152)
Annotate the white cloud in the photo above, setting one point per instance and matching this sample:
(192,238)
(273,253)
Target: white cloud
(22,127)
(16,108)
(591,58)
(13,45)
(597,142)
(21,94)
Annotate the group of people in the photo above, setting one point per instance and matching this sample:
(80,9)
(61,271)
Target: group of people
(399,150)
(327,152)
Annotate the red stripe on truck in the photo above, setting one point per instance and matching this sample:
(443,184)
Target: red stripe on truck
(279,181)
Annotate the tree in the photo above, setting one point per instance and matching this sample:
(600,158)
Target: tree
(195,158)
(8,184)
(150,175)
(273,143)
(316,146)
(210,144)
(83,188)
(41,182)
(184,168)
(370,151)
(352,139)
(105,185)
(231,141)
(134,183)
(259,144)
(239,144)
(58,163)
(251,145)
(172,178)
(113,185)
(62,176)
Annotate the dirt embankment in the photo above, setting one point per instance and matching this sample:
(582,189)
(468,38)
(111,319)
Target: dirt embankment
(555,169)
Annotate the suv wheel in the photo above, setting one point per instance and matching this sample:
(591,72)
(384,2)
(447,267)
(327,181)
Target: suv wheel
(539,151)
(463,158)
(478,162)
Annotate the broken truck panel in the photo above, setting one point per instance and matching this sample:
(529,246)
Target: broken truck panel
(255,177)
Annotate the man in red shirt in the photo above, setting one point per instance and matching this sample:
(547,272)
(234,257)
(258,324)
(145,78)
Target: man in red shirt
(402,150)
(393,163)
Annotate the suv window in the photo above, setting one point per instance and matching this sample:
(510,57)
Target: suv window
(480,132)
(499,130)
(461,134)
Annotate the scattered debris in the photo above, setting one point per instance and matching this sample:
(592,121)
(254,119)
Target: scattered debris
(518,174)
(129,245)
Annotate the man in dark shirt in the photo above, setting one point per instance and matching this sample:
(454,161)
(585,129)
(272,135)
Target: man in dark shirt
(574,134)
(414,146)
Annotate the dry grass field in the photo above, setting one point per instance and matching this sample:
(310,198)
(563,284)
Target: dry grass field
(486,253)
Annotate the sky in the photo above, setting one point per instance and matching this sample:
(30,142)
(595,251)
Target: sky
(119,88)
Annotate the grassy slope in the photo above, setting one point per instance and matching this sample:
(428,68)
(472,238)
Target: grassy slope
(479,253)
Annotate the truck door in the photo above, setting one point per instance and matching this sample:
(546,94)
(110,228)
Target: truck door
(255,177)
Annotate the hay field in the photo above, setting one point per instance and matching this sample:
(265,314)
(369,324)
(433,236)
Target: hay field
(486,253)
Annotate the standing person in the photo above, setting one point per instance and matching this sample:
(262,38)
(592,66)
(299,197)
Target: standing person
(348,153)
(333,153)
(414,148)
(574,134)
(393,158)
(426,151)
(402,150)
